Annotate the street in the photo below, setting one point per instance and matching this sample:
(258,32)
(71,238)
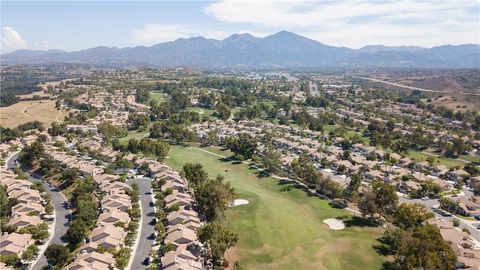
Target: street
(430,204)
(62,214)
(148,227)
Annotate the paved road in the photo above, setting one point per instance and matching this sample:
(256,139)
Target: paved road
(470,225)
(148,228)
(62,214)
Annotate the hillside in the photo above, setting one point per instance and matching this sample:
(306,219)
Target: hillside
(281,50)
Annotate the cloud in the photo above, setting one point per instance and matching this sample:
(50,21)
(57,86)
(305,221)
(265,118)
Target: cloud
(356,23)
(41,45)
(11,40)
(151,34)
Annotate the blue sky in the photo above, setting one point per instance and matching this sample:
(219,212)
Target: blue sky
(73,25)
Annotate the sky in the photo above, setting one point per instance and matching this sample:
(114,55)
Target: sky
(75,25)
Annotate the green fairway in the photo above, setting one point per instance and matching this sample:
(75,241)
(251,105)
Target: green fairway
(158,96)
(449,162)
(282,226)
(204,113)
(133,134)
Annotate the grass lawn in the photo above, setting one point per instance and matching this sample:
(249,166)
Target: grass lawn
(204,113)
(133,134)
(282,226)
(449,162)
(158,96)
(470,158)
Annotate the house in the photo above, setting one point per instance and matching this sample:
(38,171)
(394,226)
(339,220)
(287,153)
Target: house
(26,195)
(88,169)
(108,236)
(118,201)
(181,237)
(468,207)
(374,174)
(116,186)
(439,170)
(181,217)
(174,185)
(457,175)
(18,185)
(405,162)
(395,156)
(169,176)
(408,186)
(180,199)
(24,221)
(93,261)
(180,259)
(25,208)
(113,216)
(105,178)
(14,243)
(462,245)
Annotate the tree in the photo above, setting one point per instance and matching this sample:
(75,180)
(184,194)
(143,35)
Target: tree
(77,232)
(271,161)
(31,153)
(243,145)
(367,205)
(385,197)
(142,95)
(223,111)
(213,197)
(121,257)
(39,232)
(424,248)
(57,255)
(69,175)
(6,203)
(218,239)
(10,260)
(355,183)
(30,253)
(408,216)
(194,173)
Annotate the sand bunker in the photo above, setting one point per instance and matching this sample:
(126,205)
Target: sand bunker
(238,202)
(334,224)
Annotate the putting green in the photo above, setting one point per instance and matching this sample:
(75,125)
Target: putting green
(282,227)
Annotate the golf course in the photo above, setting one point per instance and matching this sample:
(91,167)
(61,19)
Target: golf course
(282,227)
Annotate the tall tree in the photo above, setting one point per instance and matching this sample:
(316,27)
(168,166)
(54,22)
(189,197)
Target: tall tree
(218,239)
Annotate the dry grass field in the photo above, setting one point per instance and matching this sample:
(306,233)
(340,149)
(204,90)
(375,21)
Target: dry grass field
(459,102)
(26,111)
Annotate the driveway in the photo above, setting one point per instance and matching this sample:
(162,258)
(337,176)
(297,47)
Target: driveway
(62,214)
(148,227)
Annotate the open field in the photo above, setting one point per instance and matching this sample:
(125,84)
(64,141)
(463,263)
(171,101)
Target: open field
(26,111)
(158,96)
(458,102)
(133,134)
(282,227)
(34,94)
(449,162)
(204,113)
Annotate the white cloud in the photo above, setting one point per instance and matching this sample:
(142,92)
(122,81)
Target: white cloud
(151,34)
(357,23)
(41,45)
(11,40)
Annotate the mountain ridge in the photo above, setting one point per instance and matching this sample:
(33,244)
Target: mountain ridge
(280,50)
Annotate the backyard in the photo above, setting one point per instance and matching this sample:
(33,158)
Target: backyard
(282,227)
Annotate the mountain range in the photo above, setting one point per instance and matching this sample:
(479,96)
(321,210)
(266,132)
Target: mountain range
(281,50)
